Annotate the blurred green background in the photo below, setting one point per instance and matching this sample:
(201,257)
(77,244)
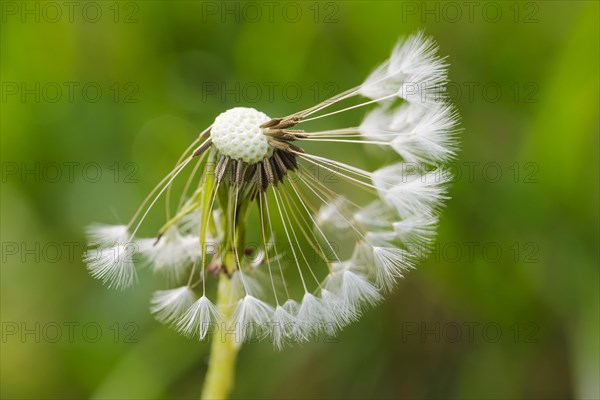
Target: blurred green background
(100,98)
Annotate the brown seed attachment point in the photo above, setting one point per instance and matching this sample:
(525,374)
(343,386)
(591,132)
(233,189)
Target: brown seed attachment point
(221,168)
(285,134)
(205,133)
(282,123)
(261,180)
(271,123)
(203,147)
(280,164)
(285,146)
(271,176)
(238,176)
(289,159)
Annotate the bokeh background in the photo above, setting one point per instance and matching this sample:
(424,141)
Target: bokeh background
(100,98)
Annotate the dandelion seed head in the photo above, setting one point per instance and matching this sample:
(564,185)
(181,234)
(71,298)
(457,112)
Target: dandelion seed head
(237,134)
(333,238)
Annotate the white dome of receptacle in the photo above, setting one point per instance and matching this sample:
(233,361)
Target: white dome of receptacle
(236,133)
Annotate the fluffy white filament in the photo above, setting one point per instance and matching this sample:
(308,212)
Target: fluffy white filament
(168,306)
(315,316)
(414,72)
(411,193)
(418,133)
(114,265)
(390,263)
(251,318)
(200,319)
(100,235)
(173,253)
(285,326)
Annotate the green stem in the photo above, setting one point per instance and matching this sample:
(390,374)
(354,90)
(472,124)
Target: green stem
(223,351)
(224,348)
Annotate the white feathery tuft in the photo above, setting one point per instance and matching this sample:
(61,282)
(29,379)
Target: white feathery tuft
(173,253)
(414,232)
(390,263)
(113,265)
(417,231)
(376,125)
(413,72)
(356,291)
(168,306)
(410,193)
(291,306)
(199,318)
(418,133)
(100,235)
(250,318)
(382,238)
(344,312)
(285,327)
(376,214)
(422,195)
(427,135)
(314,316)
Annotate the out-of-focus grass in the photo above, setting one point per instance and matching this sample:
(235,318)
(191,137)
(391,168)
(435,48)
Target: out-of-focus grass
(541,292)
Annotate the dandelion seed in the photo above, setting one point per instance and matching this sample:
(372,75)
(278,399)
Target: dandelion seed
(286,327)
(198,320)
(418,133)
(107,235)
(333,237)
(411,193)
(113,265)
(168,306)
(173,254)
(414,72)
(315,316)
(343,311)
(390,264)
(250,318)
